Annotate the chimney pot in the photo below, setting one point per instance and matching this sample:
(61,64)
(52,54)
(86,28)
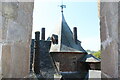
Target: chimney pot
(37,35)
(75,34)
(43,34)
(37,53)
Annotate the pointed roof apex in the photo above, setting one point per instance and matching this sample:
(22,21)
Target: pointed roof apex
(62,39)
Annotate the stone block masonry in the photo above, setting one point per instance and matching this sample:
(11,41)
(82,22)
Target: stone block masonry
(47,66)
(109,39)
(15,37)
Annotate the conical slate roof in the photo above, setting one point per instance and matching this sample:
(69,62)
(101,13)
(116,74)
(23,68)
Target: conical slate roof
(64,36)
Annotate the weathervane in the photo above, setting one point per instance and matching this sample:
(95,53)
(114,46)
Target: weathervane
(62,6)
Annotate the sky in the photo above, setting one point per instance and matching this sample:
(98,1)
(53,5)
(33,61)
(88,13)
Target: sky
(80,14)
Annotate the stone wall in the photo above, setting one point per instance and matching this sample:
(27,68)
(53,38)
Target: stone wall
(119,39)
(109,39)
(47,67)
(15,36)
(67,61)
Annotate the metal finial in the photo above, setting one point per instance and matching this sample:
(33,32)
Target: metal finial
(62,6)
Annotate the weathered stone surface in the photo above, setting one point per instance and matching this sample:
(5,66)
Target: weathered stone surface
(119,38)
(16,0)
(0,28)
(0,61)
(15,35)
(6,59)
(103,29)
(9,10)
(67,61)
(109,57)
(109,39)
(47,67)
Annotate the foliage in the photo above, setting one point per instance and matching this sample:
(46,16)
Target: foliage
(97,54)
(90,51)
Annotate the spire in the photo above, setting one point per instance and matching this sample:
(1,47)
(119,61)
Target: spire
(62,38)
(62,6)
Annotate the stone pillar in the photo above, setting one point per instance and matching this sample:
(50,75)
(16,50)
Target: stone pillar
(109,39)
(15,37)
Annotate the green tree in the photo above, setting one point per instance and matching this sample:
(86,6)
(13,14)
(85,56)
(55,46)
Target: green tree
(97,54)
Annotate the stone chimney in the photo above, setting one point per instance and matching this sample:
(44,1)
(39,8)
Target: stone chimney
(37,53)
(75,34)
(43,34)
